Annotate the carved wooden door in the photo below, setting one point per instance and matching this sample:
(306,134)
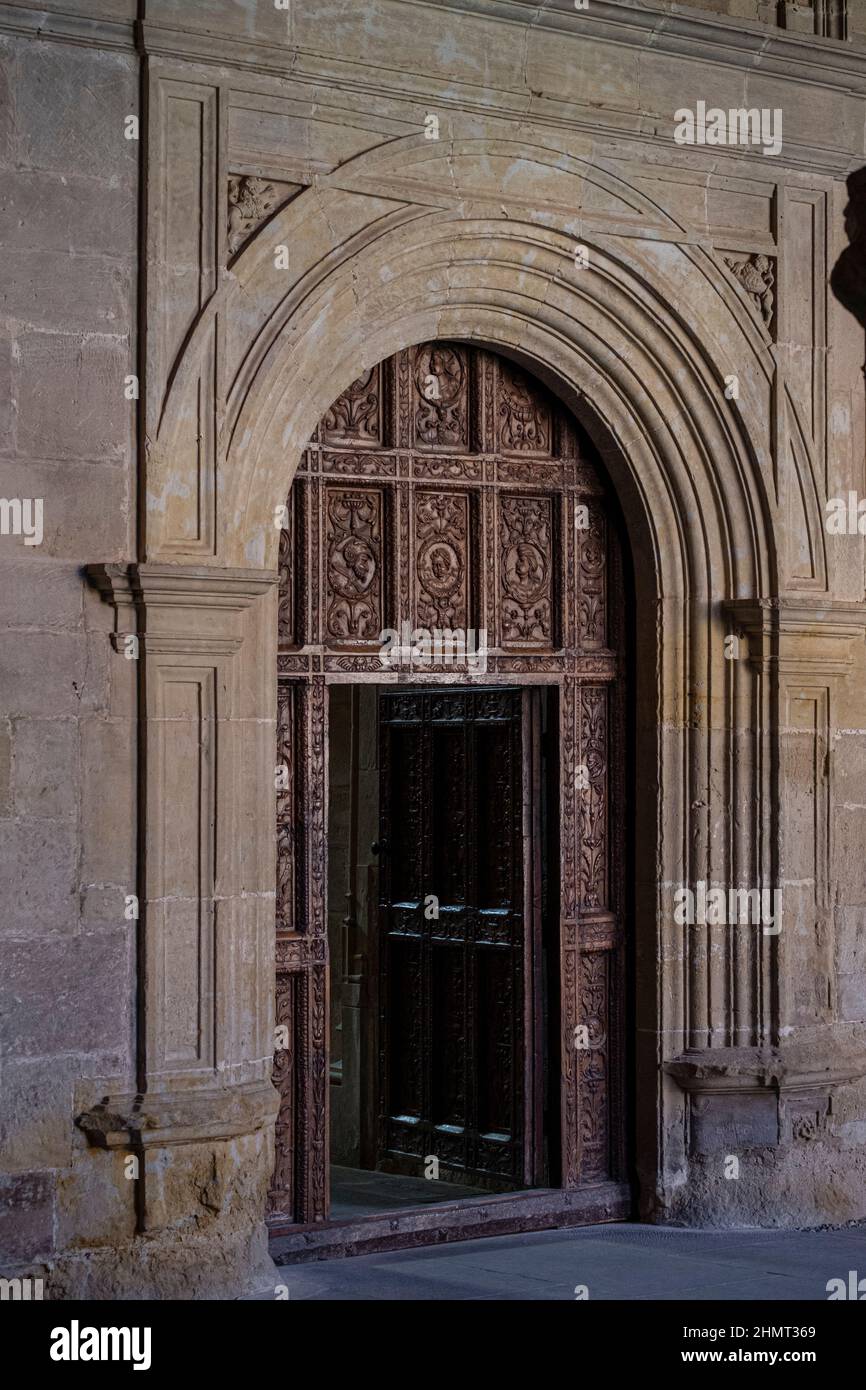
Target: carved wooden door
(446,489)
(452,939)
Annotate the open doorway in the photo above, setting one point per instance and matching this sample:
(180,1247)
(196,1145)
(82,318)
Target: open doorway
(443,950)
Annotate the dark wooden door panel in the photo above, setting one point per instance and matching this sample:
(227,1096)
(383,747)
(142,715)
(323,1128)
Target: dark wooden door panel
(452,947)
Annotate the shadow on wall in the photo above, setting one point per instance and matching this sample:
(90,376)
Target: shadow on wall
(848,277)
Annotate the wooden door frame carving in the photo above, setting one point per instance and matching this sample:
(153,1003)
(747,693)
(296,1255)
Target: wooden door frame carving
(588,674)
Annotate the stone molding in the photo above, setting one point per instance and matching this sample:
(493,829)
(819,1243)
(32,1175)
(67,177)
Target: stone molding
(147,1121)
(797,634)
(718,39)
(782,1070)
(183,586)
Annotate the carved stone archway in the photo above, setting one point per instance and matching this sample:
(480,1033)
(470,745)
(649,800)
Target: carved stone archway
(710,522)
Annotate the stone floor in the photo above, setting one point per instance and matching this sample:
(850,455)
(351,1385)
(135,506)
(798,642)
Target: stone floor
(357,1192)
(614,1262)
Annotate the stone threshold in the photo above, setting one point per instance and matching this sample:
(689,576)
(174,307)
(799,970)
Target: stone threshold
(509,1213)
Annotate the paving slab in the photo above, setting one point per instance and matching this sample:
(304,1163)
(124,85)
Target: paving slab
(613,1262)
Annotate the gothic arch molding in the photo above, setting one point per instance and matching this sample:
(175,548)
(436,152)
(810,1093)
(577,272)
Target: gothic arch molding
(696,502)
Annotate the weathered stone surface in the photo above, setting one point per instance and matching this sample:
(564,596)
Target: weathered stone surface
(46,768)
(35,1127)
(5,768)
(76,497)
(27,1205)
(53,674)
(69,112)
(43,212)
(84,977)
(37,594)
(730,1124)
(39,862)
(108,757)
(70,393)
(51,289)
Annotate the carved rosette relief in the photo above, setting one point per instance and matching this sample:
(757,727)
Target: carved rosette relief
(441,415)
(756,274)
(354,565)
(356,416)
(524,419)
(441,565)
(526,534)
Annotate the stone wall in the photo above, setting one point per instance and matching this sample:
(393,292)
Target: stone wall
(555,130)
(68,224)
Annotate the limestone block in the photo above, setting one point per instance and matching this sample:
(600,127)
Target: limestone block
(77,498)
(76,294)
(104,905)
(46,768)
(39,872)
(70,392)
(45,211)
(36,1130)
(248,20)
(5,768)
(96,1200)
(201,1182)
(108,817)
(71,995)
(7,419)
(53,674)
(848,866)
(850,923)
(581,72)
(26,1217)
(7,82)
(37,593)
(117,10)
(455,46)
(730,1123)
(70,109)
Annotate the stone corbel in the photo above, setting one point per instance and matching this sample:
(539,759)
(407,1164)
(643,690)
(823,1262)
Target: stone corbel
(800,634)
(114,583)
(750,1071)
(137,1122)
(755,1098)
(129,587)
